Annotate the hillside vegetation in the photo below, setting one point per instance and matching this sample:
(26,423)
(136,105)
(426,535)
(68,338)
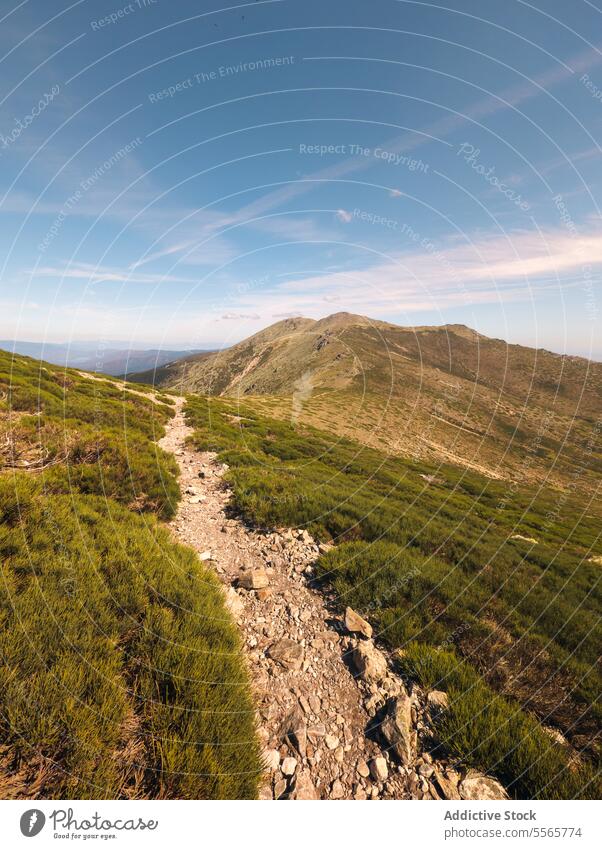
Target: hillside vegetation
(121,672)
(430,393)
(488,590)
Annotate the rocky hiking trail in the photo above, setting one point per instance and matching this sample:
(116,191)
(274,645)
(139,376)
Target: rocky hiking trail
(334,719)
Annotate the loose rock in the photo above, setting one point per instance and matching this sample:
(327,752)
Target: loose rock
(253,579)
(369,662)
(379,769)
(438,699)
(287,653)
(289,765)
(396,728)
(356,625)
(304,787)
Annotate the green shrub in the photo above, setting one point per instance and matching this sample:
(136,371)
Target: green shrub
(121,671)
(120,663)
(492,733)
(89,435)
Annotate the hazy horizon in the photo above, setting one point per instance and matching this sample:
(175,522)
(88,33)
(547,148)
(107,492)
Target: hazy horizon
(199,346)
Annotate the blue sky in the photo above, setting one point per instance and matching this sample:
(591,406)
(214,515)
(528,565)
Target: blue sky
(184,174)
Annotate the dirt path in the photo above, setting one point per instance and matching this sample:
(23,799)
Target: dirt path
(314,714)
(322,694)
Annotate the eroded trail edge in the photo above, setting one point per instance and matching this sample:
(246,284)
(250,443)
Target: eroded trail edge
(335,721)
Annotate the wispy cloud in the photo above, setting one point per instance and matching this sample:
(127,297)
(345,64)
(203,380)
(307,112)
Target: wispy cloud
(240,316)
(344,216)
(490,269)
(102,274)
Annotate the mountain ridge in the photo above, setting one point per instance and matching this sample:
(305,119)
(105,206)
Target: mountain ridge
(444,393)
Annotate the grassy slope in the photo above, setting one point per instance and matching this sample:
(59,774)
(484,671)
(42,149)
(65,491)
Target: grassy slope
(122,673)
(435,568)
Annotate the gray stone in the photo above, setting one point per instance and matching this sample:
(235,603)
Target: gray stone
(294,731)
(438,699)
(478,787)
(396,728)
(287,653)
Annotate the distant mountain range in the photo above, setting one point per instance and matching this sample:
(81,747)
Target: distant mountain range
(90,356)
(444,393)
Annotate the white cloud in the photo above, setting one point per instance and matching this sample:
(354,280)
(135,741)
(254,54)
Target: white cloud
(493,269)
(344,216)
(93,274)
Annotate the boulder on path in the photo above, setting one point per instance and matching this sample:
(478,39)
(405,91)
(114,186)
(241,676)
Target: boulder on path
(379,769)
(369,663)
(253,579)
(355,624)
(287,653)
(478,787)
(294,731)
(304,788)
(396,728)
(288,766)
